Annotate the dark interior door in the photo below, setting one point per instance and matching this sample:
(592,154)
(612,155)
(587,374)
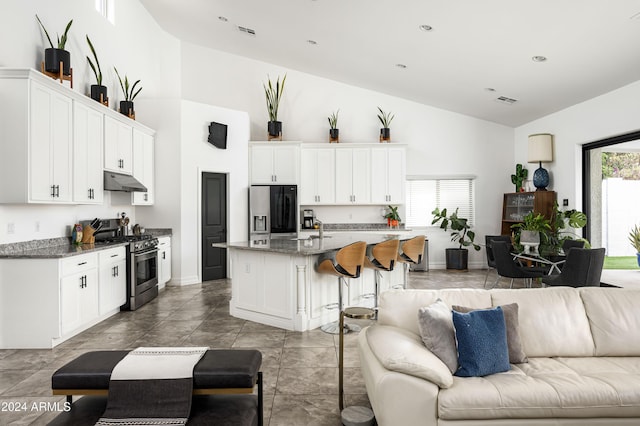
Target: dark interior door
(214,225)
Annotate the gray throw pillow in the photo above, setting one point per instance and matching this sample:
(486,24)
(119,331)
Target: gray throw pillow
(516,353)
(436,329)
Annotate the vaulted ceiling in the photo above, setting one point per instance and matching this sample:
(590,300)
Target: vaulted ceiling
(473,53)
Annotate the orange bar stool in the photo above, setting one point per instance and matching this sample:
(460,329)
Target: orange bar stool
(349,261)
(411,253)
(381,257)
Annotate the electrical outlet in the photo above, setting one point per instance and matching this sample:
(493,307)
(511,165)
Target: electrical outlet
(11,228)
(565,202)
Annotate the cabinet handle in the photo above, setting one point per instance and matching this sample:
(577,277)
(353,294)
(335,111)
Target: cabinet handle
(164,255)
(114,255)
(146,197)
(58,191)
(53,191)
(82,263)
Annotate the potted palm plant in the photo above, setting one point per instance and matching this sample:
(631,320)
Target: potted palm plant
(334,132)
(98,91)
(456,258)
(126,106)
(385,120)
(273,94)
(634,239)
(54,56)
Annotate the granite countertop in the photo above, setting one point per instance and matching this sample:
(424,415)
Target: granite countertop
(57,251)
(312,246)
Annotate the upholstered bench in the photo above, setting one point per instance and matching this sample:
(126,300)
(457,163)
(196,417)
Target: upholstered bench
(219,372)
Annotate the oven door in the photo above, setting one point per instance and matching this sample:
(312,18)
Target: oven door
(144,271)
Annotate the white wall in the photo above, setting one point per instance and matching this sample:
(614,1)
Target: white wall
(135,45)
(611,114)
(182,155)
(440,143)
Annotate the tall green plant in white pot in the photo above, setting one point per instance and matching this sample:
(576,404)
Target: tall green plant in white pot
(273,94)
(54,56)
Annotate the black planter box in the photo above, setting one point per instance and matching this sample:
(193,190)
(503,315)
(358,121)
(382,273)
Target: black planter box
(457,258)
(52,59)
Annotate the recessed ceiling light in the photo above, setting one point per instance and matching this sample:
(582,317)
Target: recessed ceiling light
(312,42)
(402,66)
(539,58)
(425,28)
(222,18)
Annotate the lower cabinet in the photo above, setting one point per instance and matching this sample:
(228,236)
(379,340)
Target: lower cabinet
(164,261)
(47,301)
(113,279)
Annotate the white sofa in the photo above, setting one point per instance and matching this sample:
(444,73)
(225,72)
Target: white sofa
(583,347)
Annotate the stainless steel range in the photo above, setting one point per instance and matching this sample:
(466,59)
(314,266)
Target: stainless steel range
(142,261)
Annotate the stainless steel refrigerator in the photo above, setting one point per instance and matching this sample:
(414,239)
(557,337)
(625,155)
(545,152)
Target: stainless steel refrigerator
(273,211)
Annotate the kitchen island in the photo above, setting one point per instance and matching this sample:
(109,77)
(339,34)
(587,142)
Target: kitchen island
(274,281)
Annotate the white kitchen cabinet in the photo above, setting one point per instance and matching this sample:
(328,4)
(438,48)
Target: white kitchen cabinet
(113,279)
(318,176)
(118,146)
(388,175)
(88,133)
(274,163)
(353,176)
(78,292)
(143,161)
(35,153)
(164,261)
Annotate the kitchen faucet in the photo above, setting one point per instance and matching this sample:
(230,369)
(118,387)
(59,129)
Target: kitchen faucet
(320,229)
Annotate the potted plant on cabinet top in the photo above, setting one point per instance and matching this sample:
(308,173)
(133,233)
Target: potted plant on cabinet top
(634,239)
(385,119)
(334,132)
(393,217)
(53,56)
(126,106)
(273,94)
(98,91)
(519,177)
(456,258)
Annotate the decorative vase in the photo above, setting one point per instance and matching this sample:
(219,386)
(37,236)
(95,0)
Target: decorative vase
(52,59)
(126,108)
(99,93)
(275,129)
(385,135)
(334,135)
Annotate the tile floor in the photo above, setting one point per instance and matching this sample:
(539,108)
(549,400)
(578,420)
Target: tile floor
(300,368)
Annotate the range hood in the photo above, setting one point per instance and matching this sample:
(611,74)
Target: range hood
(119,182)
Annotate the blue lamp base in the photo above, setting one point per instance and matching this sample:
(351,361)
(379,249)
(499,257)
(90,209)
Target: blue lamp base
(541,179)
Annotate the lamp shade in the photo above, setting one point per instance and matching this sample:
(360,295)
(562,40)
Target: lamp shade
(540,148)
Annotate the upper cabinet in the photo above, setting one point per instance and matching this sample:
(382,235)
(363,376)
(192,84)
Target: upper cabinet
(143,167)
(317,176)
(388,175)
(353,184)
(56,143)
(274,163)
(88,133)
(35,153)
(118,146)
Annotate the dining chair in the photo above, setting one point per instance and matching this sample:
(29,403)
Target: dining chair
(508,268)
(582,268)
(569,244)
(491,261)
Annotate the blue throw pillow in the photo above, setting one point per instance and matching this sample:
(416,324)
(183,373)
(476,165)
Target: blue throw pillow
(482,342)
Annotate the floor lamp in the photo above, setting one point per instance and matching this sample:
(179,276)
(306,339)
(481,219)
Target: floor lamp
(354,415)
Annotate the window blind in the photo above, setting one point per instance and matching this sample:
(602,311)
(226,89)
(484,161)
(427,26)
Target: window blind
(424,195)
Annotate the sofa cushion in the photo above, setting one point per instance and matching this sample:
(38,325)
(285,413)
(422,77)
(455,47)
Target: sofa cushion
(402,351)
(615,323)
(516,354)
(482,342)
(436,329)
(553,321)
(399,307)
(548,388)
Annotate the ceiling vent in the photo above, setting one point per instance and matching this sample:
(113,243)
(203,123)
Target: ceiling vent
(506,101)
(246,30)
